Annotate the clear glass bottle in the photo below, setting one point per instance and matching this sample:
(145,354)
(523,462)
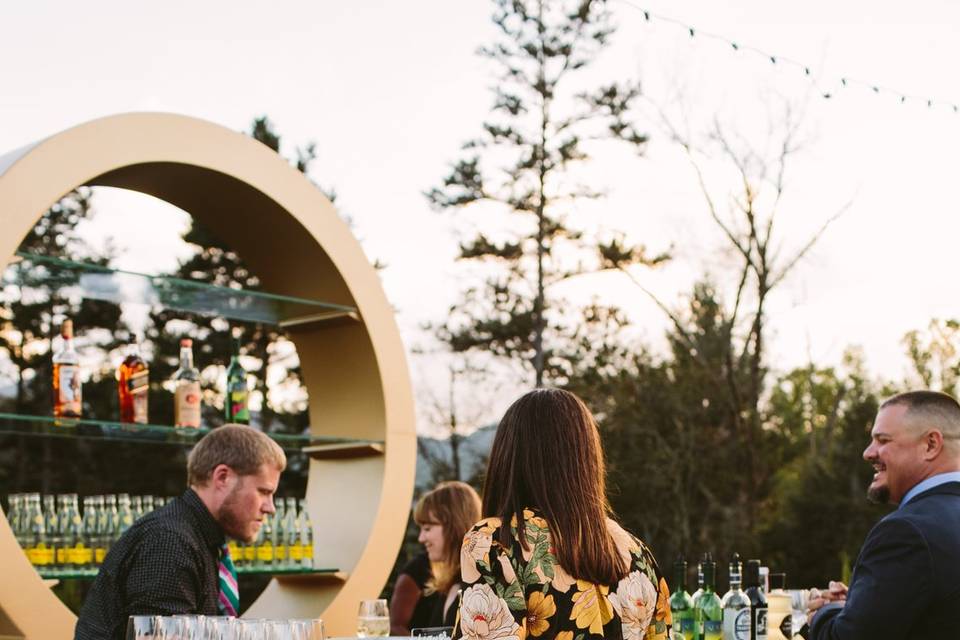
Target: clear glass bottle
(67,388)
(736,605)
(279,535)
(707,610)
(36,533)
(148,505)
(265,543)
(696,594)
(14,502)
(186,379)
(133,385)
(235,404)
(100,541)
(50,524)
(306,535)
(89,539)
(291,534)
(681,604)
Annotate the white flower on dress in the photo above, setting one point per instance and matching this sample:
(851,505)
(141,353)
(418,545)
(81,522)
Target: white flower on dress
(634,601)
(486,616)
(476,548)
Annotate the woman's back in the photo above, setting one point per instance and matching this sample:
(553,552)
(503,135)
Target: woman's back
(512,591)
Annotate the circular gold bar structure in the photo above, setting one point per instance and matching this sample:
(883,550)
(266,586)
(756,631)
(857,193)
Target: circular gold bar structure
(354,366)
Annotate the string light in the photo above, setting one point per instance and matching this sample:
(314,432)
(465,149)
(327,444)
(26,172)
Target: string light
(845,82)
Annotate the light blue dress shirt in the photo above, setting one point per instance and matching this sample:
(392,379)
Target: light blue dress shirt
(930,483)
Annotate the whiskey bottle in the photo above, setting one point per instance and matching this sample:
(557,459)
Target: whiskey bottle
(67,392)
(186,407)
(235,405)
(133,383)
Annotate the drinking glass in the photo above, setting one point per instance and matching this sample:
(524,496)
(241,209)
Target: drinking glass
(191,626)
(168,628)
(308,629)
(141,628)
(433,633)
(373,621)
(220,628)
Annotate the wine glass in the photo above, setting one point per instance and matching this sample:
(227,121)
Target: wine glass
(168,628)
(373,620)
(141,628)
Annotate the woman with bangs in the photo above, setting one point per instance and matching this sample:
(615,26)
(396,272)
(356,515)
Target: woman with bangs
(549,561)
(427,587)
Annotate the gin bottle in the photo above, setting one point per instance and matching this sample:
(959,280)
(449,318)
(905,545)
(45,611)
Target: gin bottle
(736,606)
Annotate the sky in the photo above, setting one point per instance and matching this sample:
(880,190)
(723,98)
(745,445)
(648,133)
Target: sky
(389,91)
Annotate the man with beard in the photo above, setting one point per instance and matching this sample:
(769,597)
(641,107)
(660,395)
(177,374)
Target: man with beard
(905,582)
(175,560)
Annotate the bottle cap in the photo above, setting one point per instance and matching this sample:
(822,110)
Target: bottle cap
(186,342)
(66,329)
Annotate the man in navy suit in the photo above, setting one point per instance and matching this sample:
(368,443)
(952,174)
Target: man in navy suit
(906,583)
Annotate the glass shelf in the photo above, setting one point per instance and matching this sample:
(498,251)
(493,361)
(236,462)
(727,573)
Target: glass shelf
(90,574)
(50,427)
(119,286)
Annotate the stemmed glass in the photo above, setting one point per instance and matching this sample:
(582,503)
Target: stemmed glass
(373,620)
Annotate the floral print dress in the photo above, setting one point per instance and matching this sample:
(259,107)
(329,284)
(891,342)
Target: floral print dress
(520,594)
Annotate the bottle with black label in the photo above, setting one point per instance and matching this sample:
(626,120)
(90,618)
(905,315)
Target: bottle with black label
(758,603)
(736,606)
(780,609)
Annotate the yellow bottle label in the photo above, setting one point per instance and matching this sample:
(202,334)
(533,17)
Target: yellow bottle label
(281,552)
(100,554)
(234,550)
(308,551)
(61,556)
(249,553)
(31,555)
(51,555)
(40,554)
(265,552)
(296,552)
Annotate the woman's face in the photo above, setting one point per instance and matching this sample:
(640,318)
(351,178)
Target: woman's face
(431,537)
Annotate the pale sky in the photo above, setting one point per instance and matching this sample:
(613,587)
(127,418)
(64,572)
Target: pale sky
(390,90)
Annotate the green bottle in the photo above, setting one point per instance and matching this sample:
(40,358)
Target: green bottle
(707,610)
(235,405)
(681,604)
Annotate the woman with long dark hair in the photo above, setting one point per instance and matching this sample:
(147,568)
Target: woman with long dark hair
(549,561)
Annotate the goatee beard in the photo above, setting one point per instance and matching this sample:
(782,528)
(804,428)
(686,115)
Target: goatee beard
(880,495)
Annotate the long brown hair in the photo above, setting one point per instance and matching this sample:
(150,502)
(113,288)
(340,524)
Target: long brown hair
(455,506)
(547,455)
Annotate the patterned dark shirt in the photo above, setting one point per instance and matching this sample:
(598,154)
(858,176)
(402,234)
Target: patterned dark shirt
(165,564)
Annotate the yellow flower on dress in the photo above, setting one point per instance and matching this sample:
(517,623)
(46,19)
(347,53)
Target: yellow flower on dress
(591,609)
(565,635)
(486,616)
(539,609)
(476,548)
(634,601)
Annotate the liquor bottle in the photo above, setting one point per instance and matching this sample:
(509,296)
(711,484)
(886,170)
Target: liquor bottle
(279,535)
(235,405)
(306,535)
(779,609)
(292,534)
(186,407)
(696,594)
(126,514)
(67,392)
(265,543)
(50,525)
(681,604)
(707,610)
(104,535)
(736,606)
(758,603)
(133,384)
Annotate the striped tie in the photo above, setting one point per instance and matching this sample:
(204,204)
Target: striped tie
(229,600)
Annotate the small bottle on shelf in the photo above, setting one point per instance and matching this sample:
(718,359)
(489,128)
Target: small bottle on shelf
(235,404)
(67,390)
(291,532)
(279,535)
(306,535)
(133,384)
(186,407)
(50,523)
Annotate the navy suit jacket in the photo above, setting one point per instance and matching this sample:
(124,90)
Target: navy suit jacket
(906,583)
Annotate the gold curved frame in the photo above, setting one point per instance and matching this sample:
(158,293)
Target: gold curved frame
(354,369)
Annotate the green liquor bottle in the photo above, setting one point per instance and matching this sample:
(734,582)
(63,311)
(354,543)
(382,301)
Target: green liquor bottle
(707,610)
(681,604)
(235,404)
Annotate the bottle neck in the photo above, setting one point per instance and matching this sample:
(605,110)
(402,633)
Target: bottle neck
(186,358)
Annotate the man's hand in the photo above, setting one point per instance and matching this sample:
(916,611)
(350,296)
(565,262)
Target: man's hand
(836,592)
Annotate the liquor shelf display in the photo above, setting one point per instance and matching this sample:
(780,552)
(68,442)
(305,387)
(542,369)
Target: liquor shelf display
(324,293)
(90,574)
(119,286)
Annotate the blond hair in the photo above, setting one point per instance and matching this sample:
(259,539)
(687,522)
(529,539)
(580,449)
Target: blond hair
(455,506)
(241,448)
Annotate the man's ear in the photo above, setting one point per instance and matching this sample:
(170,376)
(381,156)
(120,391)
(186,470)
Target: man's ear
(222,476)
(932,444)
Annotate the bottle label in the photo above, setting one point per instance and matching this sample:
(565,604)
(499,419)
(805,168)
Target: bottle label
(736,624)
(280,552)
(99,554)
(308,555)
(249,553)
(265,552)
(139,382)
(712,630)
(69,389)
(760,623)
(238,404)
(235,552)
(61,556)
(296,552)
(186,408)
